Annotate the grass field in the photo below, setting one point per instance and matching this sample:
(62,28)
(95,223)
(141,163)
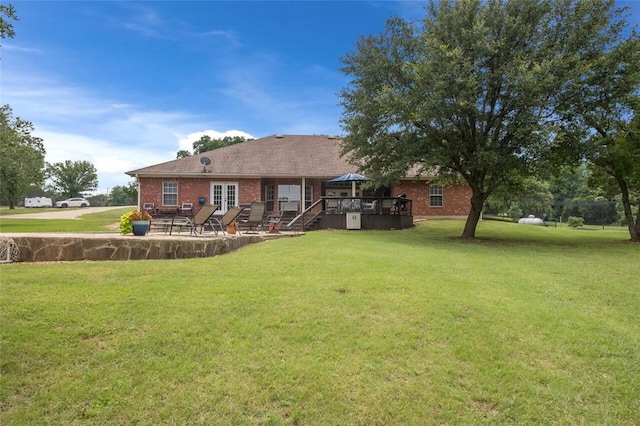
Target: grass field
(95,222)
(526,325)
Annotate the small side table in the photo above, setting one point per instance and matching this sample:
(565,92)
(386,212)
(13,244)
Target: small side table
(274,224)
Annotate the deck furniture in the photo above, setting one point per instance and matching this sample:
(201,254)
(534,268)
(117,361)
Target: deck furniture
(255,220)
(227,219)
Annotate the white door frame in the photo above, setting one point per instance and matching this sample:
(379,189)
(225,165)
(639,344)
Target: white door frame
(225,199)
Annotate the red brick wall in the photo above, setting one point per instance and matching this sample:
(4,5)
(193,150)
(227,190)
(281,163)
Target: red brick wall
(249,190)
(456,200)
(189,190)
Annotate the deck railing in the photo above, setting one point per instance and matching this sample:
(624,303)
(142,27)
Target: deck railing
(342,205)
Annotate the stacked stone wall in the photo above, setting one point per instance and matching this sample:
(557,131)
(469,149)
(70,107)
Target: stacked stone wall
(53,248)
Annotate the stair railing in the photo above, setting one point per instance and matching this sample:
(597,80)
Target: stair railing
(301,215)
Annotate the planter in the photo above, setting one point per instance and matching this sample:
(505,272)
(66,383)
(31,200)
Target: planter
(202,200)
(141,227)
(232,228)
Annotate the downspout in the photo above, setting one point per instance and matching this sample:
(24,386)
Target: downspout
(139,191)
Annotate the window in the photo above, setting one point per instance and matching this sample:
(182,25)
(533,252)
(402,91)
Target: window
(290,194)
(169,193)
(308,196)
(268,197)
(287,194)
(436,195)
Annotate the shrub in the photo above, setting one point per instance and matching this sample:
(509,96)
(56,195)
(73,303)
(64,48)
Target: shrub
(515,212)
(575,222)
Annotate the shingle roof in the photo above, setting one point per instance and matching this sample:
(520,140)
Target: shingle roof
(316,156)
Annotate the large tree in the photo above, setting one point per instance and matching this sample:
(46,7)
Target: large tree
(477,89)
(609,108)
(72,178)
(616,159)
(21,157)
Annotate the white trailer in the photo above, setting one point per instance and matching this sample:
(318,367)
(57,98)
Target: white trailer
(38,202)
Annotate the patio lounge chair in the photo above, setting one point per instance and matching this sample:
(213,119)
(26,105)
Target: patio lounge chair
(186,209)
(228,218)
(255,219)
(369,207)
(201,219)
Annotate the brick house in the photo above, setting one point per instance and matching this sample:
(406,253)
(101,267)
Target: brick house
(281,169)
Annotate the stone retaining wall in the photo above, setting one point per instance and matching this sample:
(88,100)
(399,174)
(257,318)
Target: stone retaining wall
(38,248)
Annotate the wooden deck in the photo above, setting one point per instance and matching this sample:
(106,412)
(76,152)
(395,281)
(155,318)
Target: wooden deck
(367,221)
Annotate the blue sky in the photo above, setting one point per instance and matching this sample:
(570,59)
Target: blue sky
(127,84)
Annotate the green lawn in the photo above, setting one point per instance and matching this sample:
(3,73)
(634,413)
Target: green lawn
(526,325)
(94,222)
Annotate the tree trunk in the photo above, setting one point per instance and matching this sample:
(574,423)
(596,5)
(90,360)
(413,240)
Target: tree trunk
(634,226)
(635,231)
(477,202)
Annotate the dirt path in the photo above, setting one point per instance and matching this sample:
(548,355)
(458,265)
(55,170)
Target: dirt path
(62,213)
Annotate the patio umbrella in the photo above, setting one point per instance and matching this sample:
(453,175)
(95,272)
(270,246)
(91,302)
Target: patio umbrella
(350,177)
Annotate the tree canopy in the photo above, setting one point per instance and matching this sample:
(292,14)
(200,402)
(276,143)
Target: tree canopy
(6,27)
(21,157)
(72,178)
(616,160)
(207,143)
(124,195)
(482,90)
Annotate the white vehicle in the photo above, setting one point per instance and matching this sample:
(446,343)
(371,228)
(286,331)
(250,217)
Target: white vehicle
(38,202)
(73,202)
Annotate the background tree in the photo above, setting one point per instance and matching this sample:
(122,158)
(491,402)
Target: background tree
(616,162)
(609,110)
(207,143)
(6,27)
(97,200)
(124,195)
(72,178)
(477,89)
(532,197)
(21,158)
(570,186)
(183,153)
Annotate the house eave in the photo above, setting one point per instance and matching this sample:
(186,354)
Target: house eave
(226,176)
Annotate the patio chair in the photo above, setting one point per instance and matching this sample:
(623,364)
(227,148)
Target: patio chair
(186,209)
(369,207)
(201,219)
(228,218)
(387,205)
(255,219)
(331,205)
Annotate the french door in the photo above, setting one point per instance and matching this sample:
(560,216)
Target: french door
(225,195)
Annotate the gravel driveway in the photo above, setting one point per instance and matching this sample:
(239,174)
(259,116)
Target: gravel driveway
(62,213)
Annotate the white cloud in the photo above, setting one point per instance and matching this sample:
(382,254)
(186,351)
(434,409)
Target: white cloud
(77,124)
(231,38)
(18,48)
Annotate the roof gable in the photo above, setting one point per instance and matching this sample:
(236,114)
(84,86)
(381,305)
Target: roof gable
(276,155)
